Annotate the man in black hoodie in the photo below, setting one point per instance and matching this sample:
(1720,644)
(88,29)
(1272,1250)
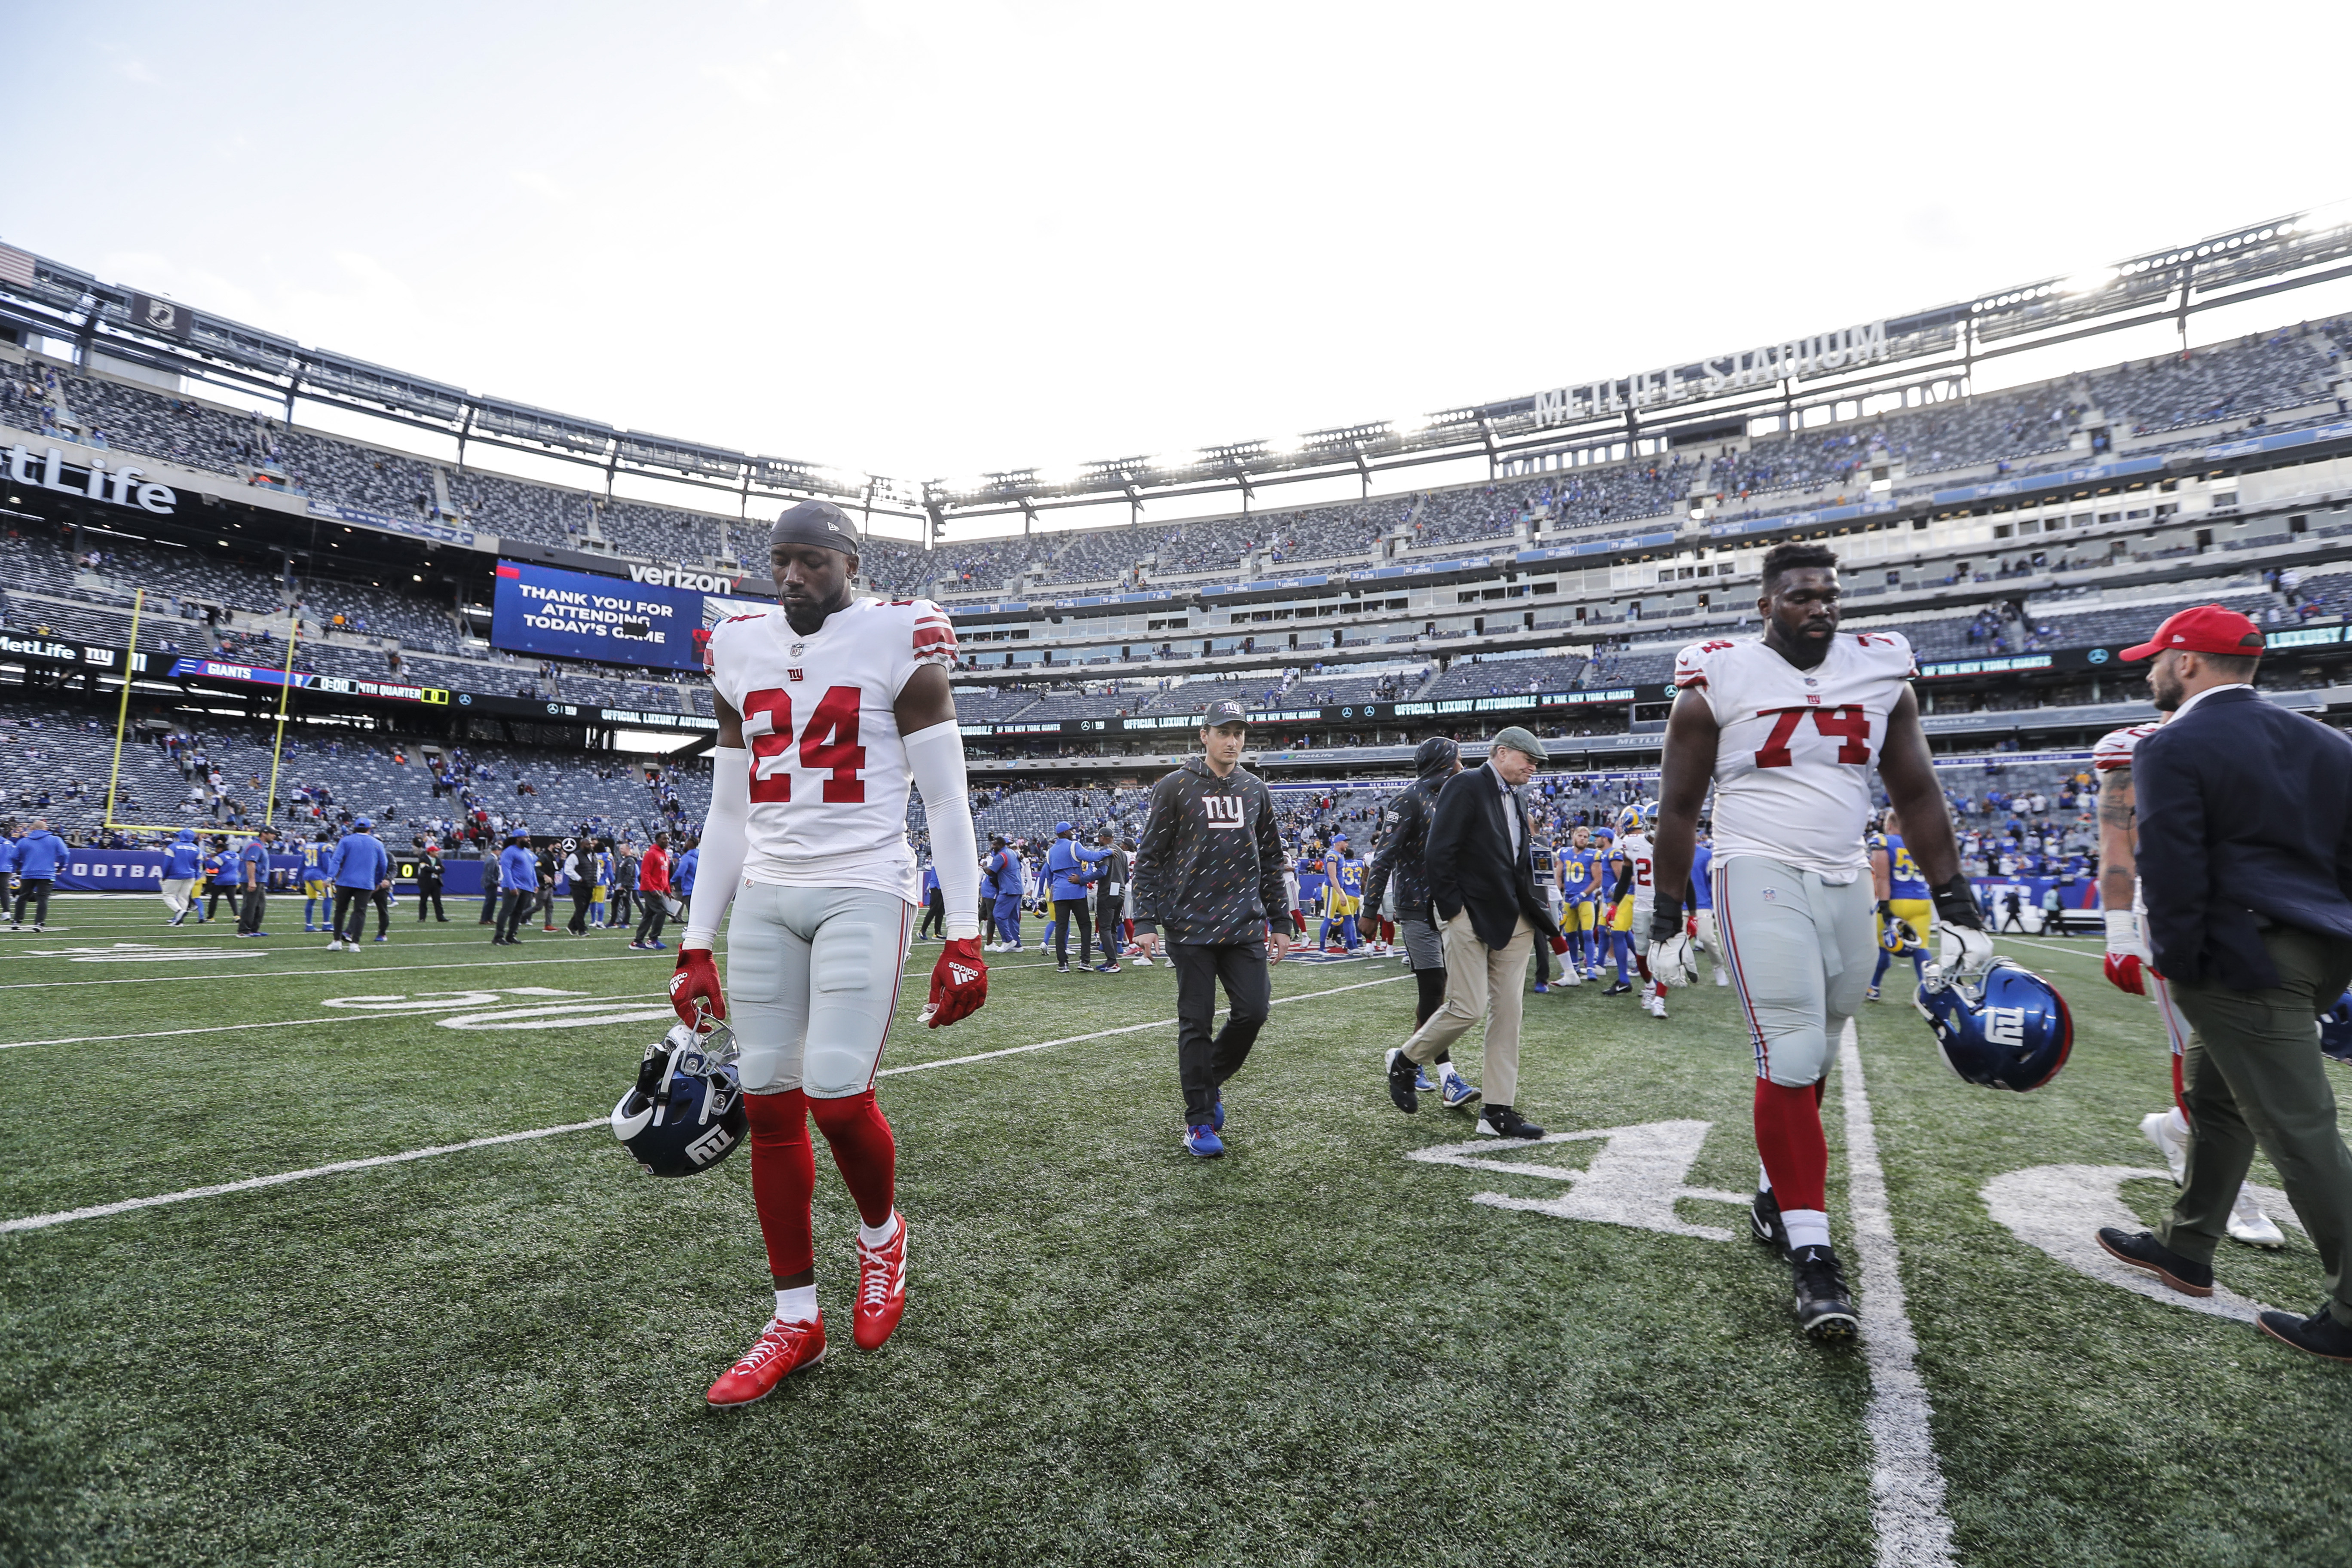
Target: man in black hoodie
(1209,868)
(1402,855)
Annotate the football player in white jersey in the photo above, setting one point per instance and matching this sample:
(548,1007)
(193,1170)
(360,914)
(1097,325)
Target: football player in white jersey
(1786,727)
(827,706)
(2127,964)
(1632,903)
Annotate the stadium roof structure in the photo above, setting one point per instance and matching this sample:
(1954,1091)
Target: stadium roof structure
(1701,398)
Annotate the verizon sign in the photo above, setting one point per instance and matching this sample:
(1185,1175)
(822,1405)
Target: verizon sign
(684,577)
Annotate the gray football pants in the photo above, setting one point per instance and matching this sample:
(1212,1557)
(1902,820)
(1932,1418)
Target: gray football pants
(812,978)
(1800,952)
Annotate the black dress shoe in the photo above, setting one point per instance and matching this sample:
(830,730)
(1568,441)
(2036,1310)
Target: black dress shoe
(1502,1121)
(2319,1334)
(2142,1251)
(1402,1071)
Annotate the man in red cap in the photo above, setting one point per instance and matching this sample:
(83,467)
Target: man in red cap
(2245,861)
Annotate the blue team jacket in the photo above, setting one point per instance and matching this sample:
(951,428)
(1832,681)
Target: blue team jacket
(359,861)
(1069,864)
(518,869)
(39,855)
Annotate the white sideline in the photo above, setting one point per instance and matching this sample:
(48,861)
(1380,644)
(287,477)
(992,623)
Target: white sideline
(44,1221)
(1907,1484)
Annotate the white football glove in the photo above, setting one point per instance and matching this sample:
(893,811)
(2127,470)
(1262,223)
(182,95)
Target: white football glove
(1961,949)
(1672,964)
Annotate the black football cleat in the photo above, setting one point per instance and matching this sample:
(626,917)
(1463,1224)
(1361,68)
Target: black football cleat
(2319,1334)
(1764,1222)
(1824,1309)
(1404,1072)
(1620,989)
(2142,1251)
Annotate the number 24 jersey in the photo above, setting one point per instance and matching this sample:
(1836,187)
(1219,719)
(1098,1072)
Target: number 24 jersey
(1792,763)
(828,766)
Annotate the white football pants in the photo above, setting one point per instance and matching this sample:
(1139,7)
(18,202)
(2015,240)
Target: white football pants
(812,978)
(175,893)
(1800,952)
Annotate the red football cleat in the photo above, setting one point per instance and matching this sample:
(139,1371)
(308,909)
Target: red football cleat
(783,1349)
(881,1288)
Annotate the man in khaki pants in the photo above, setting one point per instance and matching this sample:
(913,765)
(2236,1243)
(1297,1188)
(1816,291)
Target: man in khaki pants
(1482,878)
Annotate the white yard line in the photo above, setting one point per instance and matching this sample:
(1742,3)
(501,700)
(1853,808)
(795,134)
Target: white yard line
(44,1221)
(1907,1484)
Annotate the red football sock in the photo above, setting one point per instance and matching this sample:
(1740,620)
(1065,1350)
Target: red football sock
(1387,931)
(864,1150)
(1788,1137)
(784,1176)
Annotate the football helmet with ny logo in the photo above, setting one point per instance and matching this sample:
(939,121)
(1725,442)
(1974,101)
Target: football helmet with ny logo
(2005,1027)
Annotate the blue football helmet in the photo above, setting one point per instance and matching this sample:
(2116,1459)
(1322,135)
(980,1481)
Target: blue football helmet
(2336,1030)
(1899,937)
(685,1113)
(2005,1028)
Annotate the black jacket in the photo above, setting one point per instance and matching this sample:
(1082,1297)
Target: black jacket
(2245,818)
(1470,861)
(1208,864)
(1403,850)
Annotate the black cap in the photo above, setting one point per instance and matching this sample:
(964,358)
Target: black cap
(1225,712)
(816,523)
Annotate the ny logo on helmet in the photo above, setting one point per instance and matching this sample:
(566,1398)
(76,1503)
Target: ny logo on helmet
(2005,1027)
(710,1145)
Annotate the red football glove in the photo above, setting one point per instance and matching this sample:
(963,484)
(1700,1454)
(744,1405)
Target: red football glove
(2124,973)
(959,983)
(696,979)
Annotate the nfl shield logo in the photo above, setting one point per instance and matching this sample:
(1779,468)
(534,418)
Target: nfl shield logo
(797,648)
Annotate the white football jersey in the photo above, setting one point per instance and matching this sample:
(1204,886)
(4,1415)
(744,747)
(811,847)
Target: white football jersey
(1792,765)
(2114,748)
(828,767)
(2115,751)
(1635,849)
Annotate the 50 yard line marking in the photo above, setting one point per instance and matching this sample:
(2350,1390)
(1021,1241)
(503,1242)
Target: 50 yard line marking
(1907,1484)
(99,1211)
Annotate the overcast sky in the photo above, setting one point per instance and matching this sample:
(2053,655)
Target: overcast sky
(929,238)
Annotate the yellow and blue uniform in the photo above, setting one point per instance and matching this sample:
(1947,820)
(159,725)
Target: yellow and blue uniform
(1909,903)
(1580,886)
(317,898)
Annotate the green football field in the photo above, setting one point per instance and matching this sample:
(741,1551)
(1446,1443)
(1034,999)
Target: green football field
(1359,1338)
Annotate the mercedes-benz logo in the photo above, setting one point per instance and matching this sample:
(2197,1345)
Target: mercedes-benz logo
(2098,655)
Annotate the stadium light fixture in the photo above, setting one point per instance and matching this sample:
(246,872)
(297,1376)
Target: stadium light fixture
(2089,283)
(1285,446)
(1410,425)
(1172,463)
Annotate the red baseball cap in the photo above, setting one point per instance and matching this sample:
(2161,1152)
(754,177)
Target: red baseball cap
(2208,629)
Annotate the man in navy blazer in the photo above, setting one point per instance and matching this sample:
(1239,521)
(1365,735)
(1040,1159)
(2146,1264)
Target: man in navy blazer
(2245,866)
(1482,880)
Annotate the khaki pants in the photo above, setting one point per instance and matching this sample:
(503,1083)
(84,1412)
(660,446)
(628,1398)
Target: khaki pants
(2252,1075)
(1481,982)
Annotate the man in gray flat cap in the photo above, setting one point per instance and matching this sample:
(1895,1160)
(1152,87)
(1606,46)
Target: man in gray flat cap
(1482,878)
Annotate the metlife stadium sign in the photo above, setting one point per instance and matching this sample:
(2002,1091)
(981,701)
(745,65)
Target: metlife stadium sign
(1764,365)
(576,615)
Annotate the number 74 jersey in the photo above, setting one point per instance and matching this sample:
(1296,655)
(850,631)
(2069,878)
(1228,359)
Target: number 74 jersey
(1792,765)
(828,766)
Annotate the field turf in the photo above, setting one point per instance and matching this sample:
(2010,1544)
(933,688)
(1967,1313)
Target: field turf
(1315,1349)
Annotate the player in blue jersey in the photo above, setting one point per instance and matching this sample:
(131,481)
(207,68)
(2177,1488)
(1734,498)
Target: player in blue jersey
(317,893)
(1350,871)
(1577,868)
(1907,910)
(1702,907)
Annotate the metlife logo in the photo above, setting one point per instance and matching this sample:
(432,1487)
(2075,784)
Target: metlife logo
(96,481)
